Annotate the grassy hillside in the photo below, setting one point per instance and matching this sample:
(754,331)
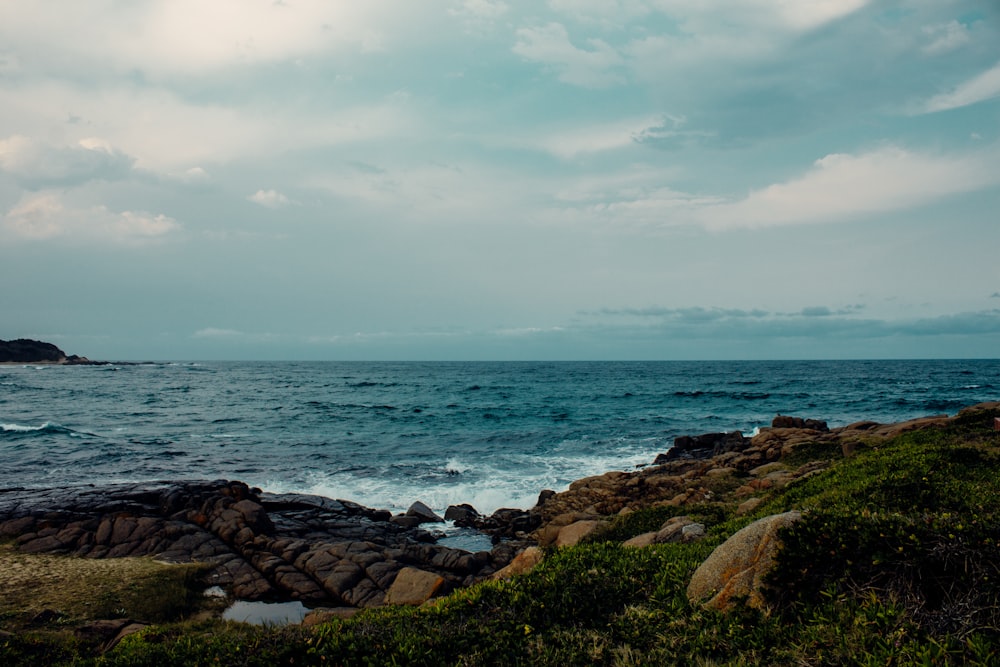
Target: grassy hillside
(896,562)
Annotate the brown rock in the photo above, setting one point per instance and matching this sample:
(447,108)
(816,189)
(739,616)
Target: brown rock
(749,505)
(736,568)
(574,532)
(523,563)
(414,587)
(327,614)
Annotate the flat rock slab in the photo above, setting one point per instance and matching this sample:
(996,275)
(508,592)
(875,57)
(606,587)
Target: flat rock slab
(260,546)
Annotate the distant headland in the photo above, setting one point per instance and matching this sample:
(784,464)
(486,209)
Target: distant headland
(27,351)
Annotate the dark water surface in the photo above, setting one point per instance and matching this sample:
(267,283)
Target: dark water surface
(386,434)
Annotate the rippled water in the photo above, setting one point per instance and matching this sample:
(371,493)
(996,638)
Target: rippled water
(386,434)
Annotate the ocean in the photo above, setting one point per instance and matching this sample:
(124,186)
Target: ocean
(386,434)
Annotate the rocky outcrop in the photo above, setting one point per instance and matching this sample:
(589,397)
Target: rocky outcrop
(27,351)
(677,529)
(703,446)
(716,467)
(735,570)
(259,546)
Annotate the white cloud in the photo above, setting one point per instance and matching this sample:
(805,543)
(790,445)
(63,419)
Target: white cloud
(800,15)
(39,164)
(167,37)
(188,133)
(44,216)
(195,175)
(269,198)
(607,12)
(945,37)
(982,87)
(212,332)
(479,12)
(793,15)
(842,186)
(551,46)
(596,138)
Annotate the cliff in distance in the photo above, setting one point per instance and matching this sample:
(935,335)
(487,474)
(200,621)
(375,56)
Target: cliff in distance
(27,351)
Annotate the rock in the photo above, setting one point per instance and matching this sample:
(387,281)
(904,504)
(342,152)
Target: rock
(424,513)
(692,532)
(543,496)
(676,529)
(464,515)
(259,546)
(737,567)
(749,505)
(130,629)
(24,350)
(406,521)
(326,614)
(784,421)
(574,532)
(414,587)
(101,631)
(640,541)
(703,446)
(523,563)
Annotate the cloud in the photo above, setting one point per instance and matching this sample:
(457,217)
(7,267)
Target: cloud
(843,186)
(982,87)
(212,332)
(479,14)
(550,45)
(594,138)
(269,198)
(171,37)
(811,322)
(787,14)
(44,216)
(945,37)
(37,164)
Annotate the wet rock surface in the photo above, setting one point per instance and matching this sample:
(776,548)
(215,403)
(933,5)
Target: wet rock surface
(259,546)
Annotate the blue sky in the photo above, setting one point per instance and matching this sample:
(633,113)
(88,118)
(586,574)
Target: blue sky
(485,179)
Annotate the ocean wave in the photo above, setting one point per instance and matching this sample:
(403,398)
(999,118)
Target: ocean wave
(728,395)
(45,428)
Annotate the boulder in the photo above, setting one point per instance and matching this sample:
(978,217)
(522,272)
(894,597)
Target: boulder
(677,529)
(574,532)
(414,587)
(424,513)
(784,421)
(463,515)
(735,570)
(703,446)
(523,563)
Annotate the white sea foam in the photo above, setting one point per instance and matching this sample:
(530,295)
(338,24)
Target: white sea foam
(514,482)
(18,428)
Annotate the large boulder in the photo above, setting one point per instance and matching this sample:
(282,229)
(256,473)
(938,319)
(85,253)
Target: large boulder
(735,570)
(575,532)
(414,586)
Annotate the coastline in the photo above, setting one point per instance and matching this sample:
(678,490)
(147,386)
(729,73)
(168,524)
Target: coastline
(644,548)
(237,527)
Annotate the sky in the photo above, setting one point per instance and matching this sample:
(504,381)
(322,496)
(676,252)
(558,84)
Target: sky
(487,179)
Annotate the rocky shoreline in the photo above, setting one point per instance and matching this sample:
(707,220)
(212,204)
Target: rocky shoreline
(336,553)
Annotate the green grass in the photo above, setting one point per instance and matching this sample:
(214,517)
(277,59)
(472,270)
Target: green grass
(895,563)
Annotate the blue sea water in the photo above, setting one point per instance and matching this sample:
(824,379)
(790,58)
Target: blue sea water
(386,434)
